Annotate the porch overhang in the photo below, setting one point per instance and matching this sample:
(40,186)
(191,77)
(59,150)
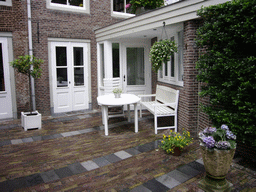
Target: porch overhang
(149,24)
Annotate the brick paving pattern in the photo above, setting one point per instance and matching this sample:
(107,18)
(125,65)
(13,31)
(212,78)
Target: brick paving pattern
(71,153)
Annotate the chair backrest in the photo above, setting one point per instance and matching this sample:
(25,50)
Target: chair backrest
(167,95)
(110,84)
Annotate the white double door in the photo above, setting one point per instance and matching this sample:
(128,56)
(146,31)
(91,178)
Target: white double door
(69,76)
(5,85)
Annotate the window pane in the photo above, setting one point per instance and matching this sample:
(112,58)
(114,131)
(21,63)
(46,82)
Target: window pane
(116,63)
(79,76)
(102,69)
(78,56)
(64,2)
(61,56)
(2,0)
(62,78)
(180,55)
(172,66)
(135,66)
(2,84)
(166,69)
(78,3)
(119,6)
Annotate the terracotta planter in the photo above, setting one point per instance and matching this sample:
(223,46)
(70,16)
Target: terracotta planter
(177,151)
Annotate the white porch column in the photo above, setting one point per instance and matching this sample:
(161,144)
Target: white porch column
(108,68)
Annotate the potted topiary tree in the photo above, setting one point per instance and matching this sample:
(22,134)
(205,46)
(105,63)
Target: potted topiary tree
(32,119)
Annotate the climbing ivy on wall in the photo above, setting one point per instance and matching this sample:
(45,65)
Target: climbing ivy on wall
(228,66)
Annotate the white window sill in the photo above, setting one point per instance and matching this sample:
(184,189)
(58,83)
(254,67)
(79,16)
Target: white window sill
(6,3)
(122,15)
(67,8)
(177,83)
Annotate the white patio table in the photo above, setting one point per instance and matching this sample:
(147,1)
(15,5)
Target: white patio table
(125,99)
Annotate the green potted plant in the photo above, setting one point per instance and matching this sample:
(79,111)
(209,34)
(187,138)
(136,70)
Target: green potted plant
(23,65)
(137,5)
(117,92)
(218,149)
(175,142)
(161,52)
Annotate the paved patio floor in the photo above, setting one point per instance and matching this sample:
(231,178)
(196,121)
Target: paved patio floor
(71,153)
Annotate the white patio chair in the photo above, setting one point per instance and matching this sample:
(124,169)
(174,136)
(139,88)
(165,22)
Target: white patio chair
(109,85)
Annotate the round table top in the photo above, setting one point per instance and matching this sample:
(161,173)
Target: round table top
(110,99)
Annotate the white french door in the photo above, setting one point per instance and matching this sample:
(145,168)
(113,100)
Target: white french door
(5,84)
(69,76)
(136,71)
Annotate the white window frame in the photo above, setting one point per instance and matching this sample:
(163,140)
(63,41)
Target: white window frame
(178,67)
(6,3)
(56,6)
(119,14)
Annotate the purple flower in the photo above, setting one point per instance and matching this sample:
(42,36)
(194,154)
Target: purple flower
(223,145)
(225,127)
(209,141)
(209,130)
(128,5)
(230,135)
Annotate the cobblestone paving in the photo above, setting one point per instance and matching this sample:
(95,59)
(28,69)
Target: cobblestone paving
(71,153)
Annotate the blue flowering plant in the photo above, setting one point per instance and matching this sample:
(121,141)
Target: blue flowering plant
(221,138)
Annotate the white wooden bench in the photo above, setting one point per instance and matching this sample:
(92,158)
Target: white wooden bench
(164,104)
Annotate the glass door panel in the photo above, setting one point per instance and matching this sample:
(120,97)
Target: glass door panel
(61,67)
(2,84)
(135,66)
(78,61)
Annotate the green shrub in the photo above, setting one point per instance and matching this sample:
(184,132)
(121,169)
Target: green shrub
(228,66)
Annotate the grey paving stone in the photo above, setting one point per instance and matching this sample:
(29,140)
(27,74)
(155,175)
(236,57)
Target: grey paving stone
(37,138)
(27,140)
(112,158)
(140,188)
(34,179)
(89,165)
(17,183)
(4,127)
(3,143)
(66,134)
(142,148)
(178,176)
(123,154)
(63,172)
(133,151)
(76,168)
(6,186)
(16,141)
(86,130)
(189,171)
(49,176)
(199,167)
(55,136)
(47,137)
(101,161)
(200,161)
(155,186)
(169,182)
(74,132)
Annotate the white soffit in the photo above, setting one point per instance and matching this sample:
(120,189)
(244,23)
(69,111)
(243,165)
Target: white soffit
(144,24)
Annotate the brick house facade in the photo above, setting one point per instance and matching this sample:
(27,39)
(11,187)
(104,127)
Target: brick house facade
(58,24)
(49,23)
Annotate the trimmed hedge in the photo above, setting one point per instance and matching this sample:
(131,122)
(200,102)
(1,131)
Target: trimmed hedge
(228,66)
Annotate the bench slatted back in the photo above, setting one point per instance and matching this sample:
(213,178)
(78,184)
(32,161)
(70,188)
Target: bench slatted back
(166,94)
(110,84)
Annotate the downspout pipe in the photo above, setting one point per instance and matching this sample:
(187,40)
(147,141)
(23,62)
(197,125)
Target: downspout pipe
(30,50)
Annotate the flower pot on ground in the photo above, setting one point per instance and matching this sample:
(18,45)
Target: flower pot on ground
(175,142)
(31,120)
(218,149)
(29,66)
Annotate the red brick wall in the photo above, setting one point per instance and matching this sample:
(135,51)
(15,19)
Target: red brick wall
(52,23)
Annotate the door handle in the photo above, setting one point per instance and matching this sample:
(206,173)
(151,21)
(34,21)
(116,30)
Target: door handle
(124,78)
(69,82)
